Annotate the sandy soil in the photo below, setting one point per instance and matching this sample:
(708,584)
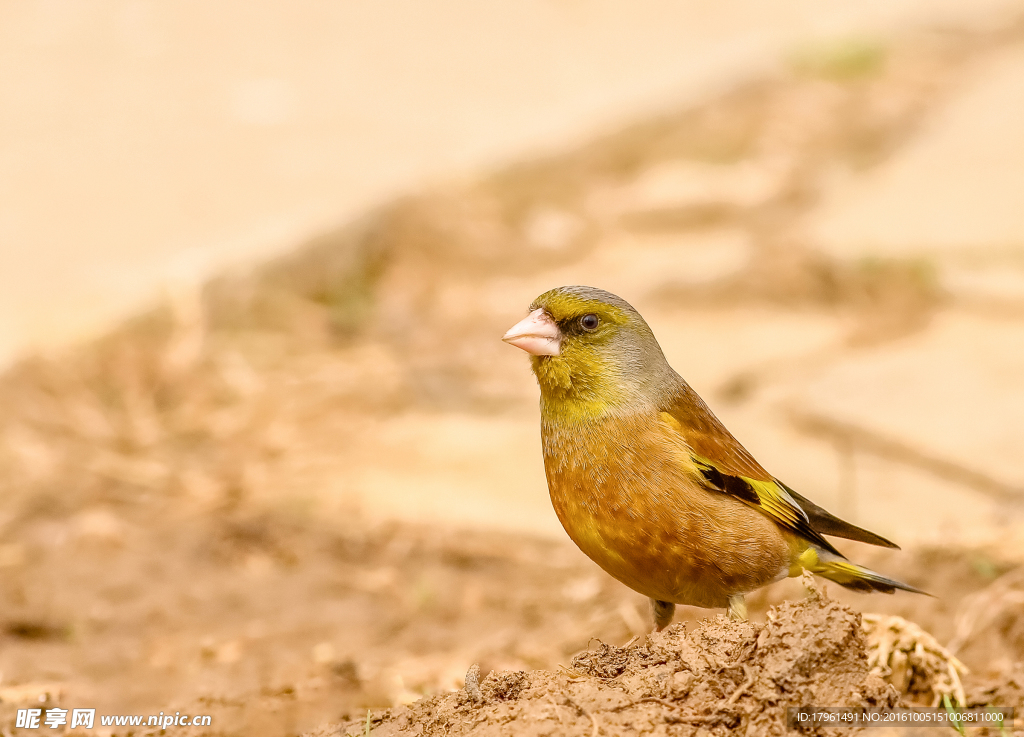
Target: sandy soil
(273,623)
(149,143)
(198,509)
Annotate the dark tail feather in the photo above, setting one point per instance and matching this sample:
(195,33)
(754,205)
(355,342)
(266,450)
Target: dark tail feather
(827,523)
(853,576)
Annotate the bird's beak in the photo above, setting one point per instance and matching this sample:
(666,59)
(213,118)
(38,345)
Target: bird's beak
(538,335)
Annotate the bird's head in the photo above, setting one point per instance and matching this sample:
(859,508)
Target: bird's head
(591,351)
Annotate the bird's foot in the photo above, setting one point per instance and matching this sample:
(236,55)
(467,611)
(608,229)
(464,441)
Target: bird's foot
(663,613)
(738,608)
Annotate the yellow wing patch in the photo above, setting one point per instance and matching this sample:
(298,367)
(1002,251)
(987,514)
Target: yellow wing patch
(768,497)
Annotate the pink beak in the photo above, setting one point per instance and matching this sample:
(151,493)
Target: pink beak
(538,335)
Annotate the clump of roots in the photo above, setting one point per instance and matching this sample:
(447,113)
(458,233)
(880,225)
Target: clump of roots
(912,660)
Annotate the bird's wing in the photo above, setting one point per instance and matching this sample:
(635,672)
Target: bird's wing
(727,467)
(828,524)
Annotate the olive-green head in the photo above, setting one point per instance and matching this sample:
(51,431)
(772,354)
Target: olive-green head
(591,352)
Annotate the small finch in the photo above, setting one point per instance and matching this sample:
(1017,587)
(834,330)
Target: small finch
(649,483)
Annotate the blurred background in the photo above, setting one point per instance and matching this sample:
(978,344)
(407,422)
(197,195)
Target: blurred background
(262,452)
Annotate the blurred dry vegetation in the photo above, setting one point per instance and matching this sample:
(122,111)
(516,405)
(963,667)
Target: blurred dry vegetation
(156,536)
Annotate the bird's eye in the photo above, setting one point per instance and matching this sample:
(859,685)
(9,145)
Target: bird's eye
(590,322)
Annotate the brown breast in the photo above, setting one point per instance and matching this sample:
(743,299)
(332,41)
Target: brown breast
(628,495)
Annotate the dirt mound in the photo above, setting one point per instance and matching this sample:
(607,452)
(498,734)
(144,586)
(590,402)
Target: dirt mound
(721,676)
(1004,689)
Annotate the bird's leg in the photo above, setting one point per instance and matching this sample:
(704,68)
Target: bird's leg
(738,607)
(663,613)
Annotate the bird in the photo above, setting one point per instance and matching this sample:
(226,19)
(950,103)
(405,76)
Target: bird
(648,482)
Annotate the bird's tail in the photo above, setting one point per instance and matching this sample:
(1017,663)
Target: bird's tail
(852,576)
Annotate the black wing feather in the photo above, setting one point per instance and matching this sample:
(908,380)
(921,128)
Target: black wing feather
(827,523)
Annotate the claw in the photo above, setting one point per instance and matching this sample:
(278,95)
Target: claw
(663,613)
